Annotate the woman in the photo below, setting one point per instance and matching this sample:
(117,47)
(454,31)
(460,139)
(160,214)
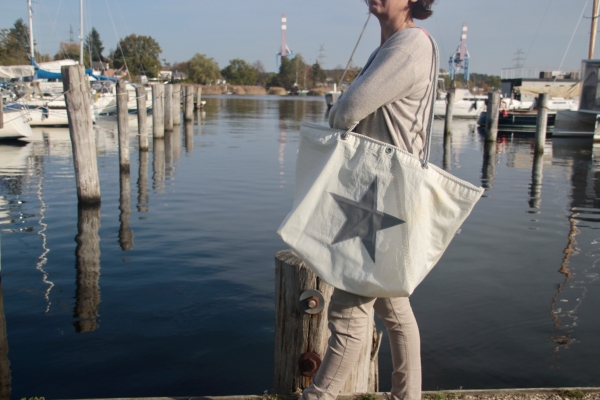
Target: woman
(390,101)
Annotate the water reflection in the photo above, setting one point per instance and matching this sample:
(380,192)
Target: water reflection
(125,232)
(158,165)
(575,266)
(5,374)
(282,142)
(488,171)
(169,154)
(535,189)
(176,143)
(142,183)
(189,136)
(87,265)
(446,160)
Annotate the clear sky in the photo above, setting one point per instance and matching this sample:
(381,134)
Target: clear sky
(251,29)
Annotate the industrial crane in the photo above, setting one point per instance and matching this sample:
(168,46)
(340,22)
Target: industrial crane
(460,59)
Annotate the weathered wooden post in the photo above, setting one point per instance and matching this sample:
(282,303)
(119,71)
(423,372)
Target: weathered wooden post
(158,111)
(542,123)
(1,113)
(493,113)
(125,232)
(176,143)
(140,94)
(449,111)
(168,107)
(199,98)
(301,337)
(76,88)
(123,124)
(87,265)
(142,183)
(176,104)
(188,103)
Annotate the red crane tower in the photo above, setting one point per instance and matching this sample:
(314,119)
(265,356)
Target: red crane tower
(285,50)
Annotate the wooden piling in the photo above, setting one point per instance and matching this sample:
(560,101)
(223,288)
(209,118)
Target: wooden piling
(76,88)
(158,111)
(123,124)
(449,111)
(542,123)
(140,93)
(1,113)
(199,98)
(176,104)
(493,113)
(188,103)
(168,107)
(297,332)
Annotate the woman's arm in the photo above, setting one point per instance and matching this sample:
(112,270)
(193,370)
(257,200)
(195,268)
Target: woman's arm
(389,77)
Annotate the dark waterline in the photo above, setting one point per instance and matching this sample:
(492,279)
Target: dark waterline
(168,288)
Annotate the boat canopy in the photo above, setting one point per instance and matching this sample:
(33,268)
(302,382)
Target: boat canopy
(56,65)
(566,92)
(16,71)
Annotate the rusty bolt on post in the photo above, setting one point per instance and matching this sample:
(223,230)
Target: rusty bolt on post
(312,302)
(309,364)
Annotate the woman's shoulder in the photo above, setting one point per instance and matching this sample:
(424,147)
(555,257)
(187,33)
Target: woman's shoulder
(407,39)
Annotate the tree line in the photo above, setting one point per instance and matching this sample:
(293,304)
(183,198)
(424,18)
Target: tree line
(140,55)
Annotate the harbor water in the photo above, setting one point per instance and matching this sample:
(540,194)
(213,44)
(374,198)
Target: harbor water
(168,288)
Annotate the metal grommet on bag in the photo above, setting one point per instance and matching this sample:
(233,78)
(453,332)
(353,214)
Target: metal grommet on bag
(389,150)
(344,136)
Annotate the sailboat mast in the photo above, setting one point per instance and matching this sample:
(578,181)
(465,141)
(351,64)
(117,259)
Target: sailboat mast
(81,32)
(594,27)
(31,49)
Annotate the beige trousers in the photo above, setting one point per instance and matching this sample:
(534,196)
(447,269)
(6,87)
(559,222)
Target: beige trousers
(348,318)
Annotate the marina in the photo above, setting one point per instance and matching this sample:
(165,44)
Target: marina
(144,296)
(142,198)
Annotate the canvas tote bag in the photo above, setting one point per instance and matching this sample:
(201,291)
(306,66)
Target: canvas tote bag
(368,217)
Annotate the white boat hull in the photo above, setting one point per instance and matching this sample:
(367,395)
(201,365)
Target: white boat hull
(16,125)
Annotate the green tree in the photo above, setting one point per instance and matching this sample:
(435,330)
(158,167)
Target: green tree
(14,44)
(239,72)
(318,74)
(202,69)
(67,51)
(289,71)
(139,54)
(93,46)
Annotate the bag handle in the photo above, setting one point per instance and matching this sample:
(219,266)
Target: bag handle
(435,67)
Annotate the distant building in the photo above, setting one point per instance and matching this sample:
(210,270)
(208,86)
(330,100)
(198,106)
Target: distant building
(178,76)
(165,75)
(100,66)
(513,77)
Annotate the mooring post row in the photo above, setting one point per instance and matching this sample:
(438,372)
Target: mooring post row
(76,88)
